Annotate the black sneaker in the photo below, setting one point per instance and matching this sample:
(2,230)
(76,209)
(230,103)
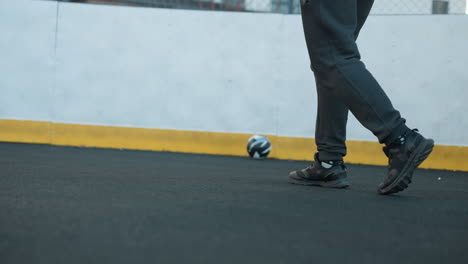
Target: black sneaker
(404,157)
(330,174)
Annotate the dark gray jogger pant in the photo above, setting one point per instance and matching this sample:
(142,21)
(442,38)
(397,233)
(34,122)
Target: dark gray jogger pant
(331,28)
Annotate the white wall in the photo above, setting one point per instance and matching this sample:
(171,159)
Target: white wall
(216,71)
(27,31)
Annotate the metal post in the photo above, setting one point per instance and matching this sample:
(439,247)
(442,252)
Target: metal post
(290,6)
(440,6)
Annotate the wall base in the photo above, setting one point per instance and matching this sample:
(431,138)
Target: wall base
(289,148)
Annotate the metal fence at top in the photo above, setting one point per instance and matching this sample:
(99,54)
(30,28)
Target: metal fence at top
(381,7)
(419,7)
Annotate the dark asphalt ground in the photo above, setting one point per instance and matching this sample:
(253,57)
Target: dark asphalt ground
(72,205)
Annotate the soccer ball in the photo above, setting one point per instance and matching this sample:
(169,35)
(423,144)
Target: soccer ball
(258,147)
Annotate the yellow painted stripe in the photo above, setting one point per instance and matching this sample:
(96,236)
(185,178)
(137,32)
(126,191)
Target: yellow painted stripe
(25,131)
(292,148)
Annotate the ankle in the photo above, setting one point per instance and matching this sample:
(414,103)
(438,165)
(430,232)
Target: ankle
(329,161)
(401,139)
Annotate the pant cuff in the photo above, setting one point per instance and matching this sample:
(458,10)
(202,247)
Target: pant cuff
(325,156)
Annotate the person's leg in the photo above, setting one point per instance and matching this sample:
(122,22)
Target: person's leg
(332,115)
(330,128)
(331,28)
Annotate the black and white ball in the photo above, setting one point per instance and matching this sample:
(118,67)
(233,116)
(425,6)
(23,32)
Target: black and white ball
(258,147)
